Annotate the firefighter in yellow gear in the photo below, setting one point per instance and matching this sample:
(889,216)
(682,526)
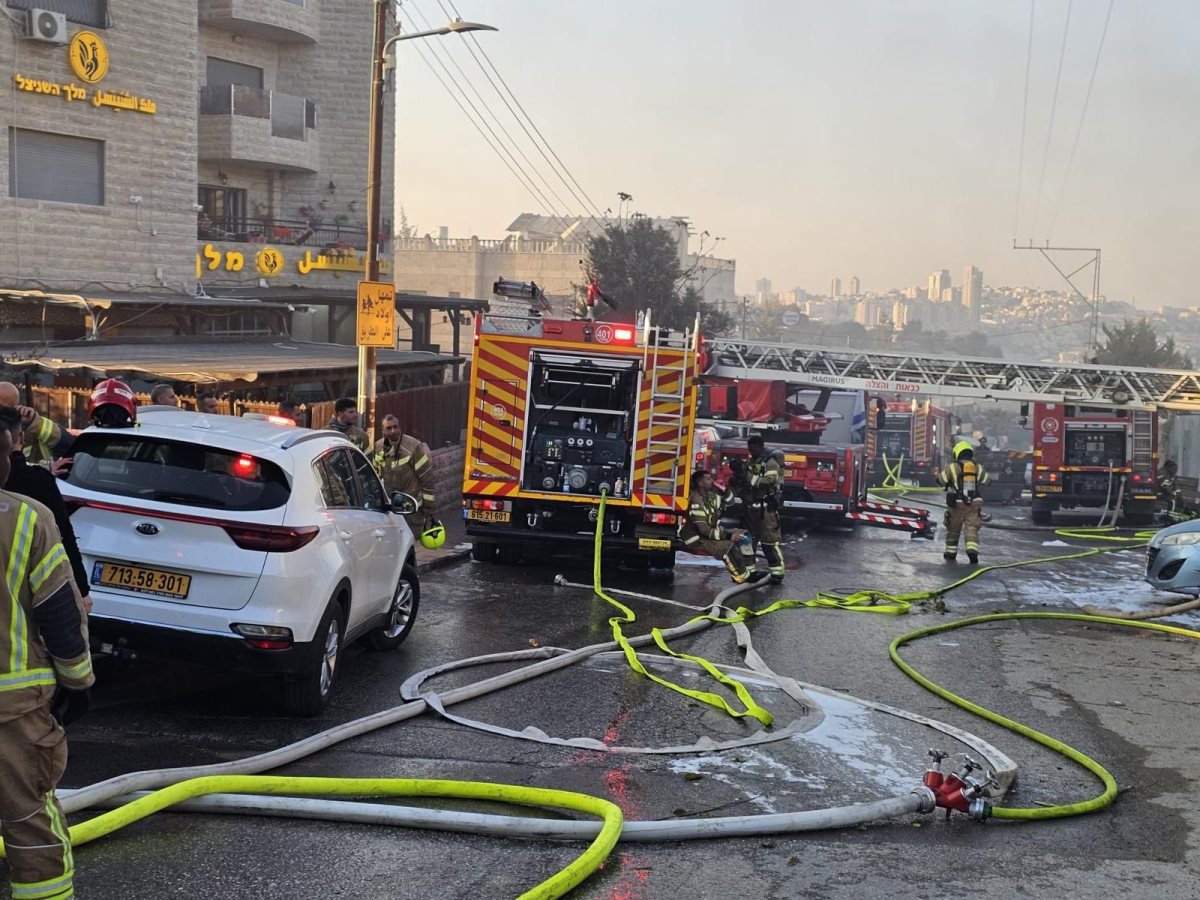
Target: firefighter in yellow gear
(402,461)
(45,671)
(760,485)
(962,480)
(701,530)
(42,436)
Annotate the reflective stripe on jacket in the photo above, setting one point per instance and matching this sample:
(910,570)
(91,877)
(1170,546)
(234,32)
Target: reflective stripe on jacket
(405,466)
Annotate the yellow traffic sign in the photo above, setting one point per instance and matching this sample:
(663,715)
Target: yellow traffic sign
(376,314)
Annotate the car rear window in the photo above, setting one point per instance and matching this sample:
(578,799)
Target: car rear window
(129,465)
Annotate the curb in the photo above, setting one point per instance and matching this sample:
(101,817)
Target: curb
(442,560)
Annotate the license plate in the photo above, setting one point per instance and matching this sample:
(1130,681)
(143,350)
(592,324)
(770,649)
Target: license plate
(1048,489)
(653,544)
(489,515)
(142,580)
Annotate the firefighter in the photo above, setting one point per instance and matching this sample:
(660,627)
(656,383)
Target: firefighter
(964,507)
(761,483)
(345,421)
(701,531)
(44,439)
(402,461)
(38,484)
(45,671)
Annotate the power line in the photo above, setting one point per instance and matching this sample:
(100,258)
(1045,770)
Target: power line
(525,183)
(473,40)
(494,142)
(1062,53)
(1024,119)
(466,79)
(1082,115)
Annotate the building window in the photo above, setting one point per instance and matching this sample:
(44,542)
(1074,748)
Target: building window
(222,215)
(44,166)
(224,72)
(81,12)
(243,324)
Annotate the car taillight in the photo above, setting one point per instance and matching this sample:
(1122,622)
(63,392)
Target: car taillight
(658,518)
(1053,477)
(245,466)
(271,538)
(1137,478)
(265,637)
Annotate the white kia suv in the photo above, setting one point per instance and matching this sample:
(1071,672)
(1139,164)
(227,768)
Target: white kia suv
(244,543)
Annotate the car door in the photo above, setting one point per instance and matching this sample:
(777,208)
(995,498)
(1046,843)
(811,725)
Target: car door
(387,530)
(354,525)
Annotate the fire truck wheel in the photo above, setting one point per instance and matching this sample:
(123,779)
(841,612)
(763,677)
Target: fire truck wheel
(635,562)
(1136,520)
(509,554)
(483,551)
(1042,517)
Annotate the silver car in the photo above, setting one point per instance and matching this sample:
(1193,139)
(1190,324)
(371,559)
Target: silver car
(1173,559)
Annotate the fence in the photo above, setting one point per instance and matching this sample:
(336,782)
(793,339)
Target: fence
(437,414)
(69,406)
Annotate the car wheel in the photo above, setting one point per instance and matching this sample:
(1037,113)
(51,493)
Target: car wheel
(510,554)
(306,692)
(402,614)
(1042,517)
(484,551)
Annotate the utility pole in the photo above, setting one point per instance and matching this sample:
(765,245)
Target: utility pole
(366,355)
(1093,260)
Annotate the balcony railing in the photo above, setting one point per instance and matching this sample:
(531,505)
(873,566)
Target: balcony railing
(295,232)
(289,115)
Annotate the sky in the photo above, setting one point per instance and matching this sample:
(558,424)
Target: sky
(877,138)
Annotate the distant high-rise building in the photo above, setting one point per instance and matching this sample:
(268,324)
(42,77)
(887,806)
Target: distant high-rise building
(762,286)
(972,290)
(938,282)
(835,287)
(855,286)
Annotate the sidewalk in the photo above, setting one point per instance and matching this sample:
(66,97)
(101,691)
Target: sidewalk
(456,548)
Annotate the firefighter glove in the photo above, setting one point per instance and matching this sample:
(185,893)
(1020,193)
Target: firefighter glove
(68,706)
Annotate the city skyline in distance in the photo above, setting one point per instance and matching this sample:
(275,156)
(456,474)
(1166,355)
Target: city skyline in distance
(807,165)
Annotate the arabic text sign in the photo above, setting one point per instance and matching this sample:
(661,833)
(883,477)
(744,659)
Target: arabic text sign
(376,314)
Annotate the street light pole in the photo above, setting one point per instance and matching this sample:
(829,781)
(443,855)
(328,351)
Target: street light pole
(366,355)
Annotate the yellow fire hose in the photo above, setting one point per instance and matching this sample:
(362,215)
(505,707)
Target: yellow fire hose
(600,847)
(555,886)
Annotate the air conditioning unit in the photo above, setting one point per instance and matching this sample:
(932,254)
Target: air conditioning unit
(47,26)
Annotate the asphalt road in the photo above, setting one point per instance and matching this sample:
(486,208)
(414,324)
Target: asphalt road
(1126,698)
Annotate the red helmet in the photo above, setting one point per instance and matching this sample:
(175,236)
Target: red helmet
(112,405)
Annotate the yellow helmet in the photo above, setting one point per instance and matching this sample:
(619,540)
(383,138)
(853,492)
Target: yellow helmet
(434,535)
(960,447)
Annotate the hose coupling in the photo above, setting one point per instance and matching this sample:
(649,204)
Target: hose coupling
(560,579)
(927,797)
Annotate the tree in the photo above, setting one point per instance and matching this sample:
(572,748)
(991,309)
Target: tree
(1135,343)
(637,266)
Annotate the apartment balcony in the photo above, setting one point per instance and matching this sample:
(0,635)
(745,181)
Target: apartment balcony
(259,128)
(281,21)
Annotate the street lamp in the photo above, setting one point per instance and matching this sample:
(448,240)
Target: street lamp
(367,355)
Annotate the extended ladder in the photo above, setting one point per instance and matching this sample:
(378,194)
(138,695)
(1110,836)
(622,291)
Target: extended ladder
(666,379)
(914,373)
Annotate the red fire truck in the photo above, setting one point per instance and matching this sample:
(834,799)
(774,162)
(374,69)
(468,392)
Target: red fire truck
(565,410)
(1093,457)
(824,479)
(911,441)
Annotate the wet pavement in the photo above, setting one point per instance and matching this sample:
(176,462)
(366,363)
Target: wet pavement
(1125,697)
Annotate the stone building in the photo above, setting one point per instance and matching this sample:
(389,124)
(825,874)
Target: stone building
(180,148)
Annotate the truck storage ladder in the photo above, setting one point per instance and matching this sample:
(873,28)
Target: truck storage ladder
(905,373)
(667,423)
(920,435)
(1143,441)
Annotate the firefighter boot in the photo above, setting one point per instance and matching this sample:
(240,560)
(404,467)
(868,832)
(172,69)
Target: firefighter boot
(757,575)
(737,569)
(973,556)
(950,554)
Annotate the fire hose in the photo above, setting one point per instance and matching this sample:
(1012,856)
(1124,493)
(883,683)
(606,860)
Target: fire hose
(117,789)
